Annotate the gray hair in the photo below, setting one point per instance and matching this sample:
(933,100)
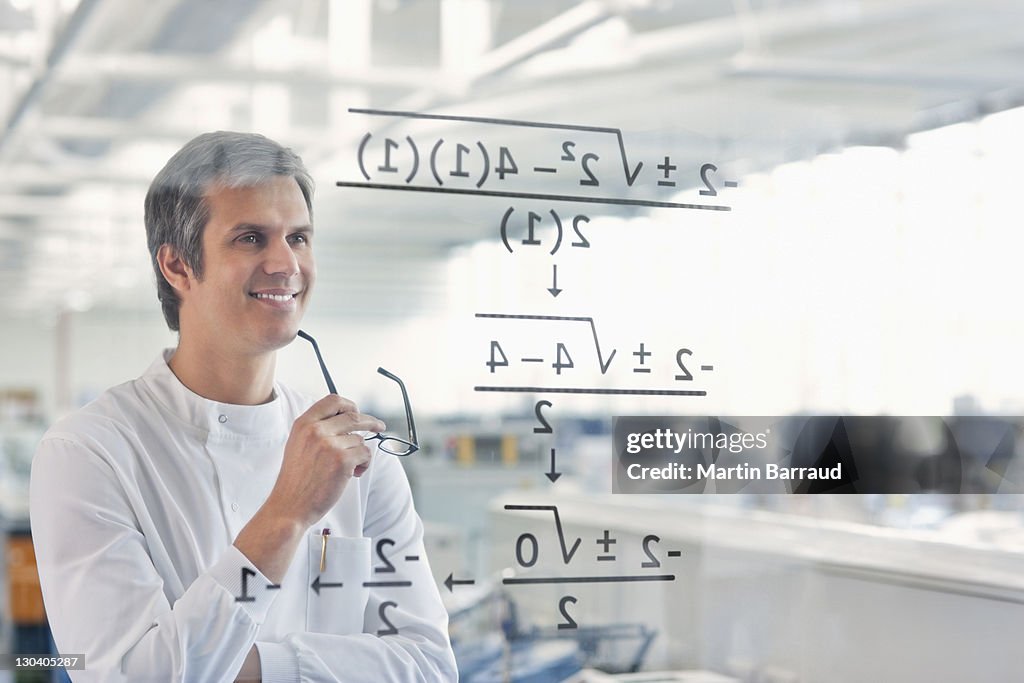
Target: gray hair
(176,208)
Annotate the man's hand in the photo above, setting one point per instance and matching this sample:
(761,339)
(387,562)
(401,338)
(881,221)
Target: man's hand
(321,455)
(323,452)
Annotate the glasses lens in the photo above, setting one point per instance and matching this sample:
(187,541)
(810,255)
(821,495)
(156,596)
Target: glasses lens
(396,446)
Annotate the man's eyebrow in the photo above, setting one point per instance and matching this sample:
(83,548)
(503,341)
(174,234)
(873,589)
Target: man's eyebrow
(255,227)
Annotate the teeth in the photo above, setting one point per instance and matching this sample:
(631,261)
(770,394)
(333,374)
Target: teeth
(274,297)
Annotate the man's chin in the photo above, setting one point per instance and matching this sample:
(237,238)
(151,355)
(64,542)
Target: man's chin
(278,338)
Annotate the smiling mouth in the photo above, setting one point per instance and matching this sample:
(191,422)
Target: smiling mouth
(273,297)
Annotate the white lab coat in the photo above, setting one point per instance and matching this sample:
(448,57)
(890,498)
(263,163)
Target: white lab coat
(135,501)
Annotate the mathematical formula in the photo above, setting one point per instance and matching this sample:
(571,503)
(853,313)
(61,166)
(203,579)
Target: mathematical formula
(449,161)
(386,566)
(560,359)
(527,552)
(471,167)
(589,165)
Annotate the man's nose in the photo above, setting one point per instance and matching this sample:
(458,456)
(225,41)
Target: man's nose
(280,258)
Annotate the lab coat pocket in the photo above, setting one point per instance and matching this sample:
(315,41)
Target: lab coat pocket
(336,597)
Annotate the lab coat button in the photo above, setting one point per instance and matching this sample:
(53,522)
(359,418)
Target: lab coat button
(234,507)
(222,419)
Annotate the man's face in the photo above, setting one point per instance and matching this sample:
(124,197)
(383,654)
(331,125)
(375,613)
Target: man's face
(258,267)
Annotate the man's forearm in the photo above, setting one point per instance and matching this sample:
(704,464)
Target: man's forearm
(269,541)
(250,672)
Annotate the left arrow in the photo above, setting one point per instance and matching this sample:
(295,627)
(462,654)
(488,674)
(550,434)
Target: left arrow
(449,582)
(318,584)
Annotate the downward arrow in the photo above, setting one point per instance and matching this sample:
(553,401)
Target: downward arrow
(317,585)
(552,475)
(555,291)
(449,582)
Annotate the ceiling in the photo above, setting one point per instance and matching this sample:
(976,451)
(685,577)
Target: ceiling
(97,94)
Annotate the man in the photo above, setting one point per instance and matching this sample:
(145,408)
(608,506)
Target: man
(204,522)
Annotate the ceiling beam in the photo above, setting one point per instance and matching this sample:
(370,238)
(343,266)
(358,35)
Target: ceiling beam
(98,128)
(183,69)
(58,207)
(62,175)
(557,30)
(61,47)
(872,74)
(12,57)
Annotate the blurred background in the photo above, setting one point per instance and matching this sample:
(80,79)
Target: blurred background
(762,207)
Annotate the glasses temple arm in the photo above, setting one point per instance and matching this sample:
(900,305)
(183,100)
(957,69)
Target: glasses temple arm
(320,359)
(408,406)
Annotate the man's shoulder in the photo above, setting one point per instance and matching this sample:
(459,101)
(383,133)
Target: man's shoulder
(109,413)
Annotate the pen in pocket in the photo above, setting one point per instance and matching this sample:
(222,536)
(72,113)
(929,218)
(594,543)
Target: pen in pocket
(323,548)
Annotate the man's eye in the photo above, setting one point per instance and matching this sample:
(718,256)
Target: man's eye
(300,238)
(251,238)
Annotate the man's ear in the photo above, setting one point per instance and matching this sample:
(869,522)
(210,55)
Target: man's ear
(174,269)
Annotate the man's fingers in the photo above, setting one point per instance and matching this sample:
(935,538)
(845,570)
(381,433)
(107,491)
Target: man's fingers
(352,443)
(328,406)
(342,416)
(353,452)
(346,423)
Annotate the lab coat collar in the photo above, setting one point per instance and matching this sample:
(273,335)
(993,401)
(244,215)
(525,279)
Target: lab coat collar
(218,420)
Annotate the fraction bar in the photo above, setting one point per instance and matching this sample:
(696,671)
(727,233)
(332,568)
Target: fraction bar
(386,584)
(516,316)
(536,195)
(603,392)
(589,579)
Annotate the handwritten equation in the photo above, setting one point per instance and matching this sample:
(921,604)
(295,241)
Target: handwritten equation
(587,165)
(386,566)
(470,166)
(527,552)
(561,360)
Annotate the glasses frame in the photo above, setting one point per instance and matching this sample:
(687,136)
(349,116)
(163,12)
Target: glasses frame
(411,444)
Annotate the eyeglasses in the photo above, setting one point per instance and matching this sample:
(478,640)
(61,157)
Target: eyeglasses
(389,444)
